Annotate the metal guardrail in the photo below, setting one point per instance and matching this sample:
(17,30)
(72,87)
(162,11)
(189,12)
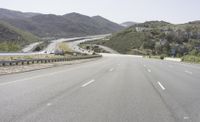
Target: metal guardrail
(36,61)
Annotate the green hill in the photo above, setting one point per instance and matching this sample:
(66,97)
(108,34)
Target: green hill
(13,39)
(157,38)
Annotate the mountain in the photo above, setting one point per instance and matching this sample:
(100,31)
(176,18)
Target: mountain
(157,38)
(195,22)
(106,25)
(5,13)
(128,24)
(13,39)
(68,25)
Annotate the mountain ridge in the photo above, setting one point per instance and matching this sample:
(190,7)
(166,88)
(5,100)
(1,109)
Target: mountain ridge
(51,25)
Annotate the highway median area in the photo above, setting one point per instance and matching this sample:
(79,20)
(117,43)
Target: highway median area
(16,64)
(27,57)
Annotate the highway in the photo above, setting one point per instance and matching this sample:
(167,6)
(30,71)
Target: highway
(115,88)
(53,45)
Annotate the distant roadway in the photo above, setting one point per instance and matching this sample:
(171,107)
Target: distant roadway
(52,46)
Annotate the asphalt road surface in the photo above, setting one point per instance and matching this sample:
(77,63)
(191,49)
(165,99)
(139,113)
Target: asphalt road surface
(115,88)
(29,48)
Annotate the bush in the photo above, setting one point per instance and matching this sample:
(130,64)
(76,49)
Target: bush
(9,47)
(162,56)
(191,58)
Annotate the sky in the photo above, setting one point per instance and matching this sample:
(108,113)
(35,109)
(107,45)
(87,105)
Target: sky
(174,11)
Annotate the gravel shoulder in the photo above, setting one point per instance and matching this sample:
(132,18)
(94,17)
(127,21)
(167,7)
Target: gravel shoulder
(25,68)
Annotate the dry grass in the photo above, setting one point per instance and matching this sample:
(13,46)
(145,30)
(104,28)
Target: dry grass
(64,47)
(37,56)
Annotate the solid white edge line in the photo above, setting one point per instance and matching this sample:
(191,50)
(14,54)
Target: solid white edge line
(88,83)
(162,87)
(34,77)
(30,78)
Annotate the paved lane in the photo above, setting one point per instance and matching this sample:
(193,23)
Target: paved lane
(115,88)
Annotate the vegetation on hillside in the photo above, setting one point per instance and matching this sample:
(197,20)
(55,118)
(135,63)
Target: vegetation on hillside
(191,58)
(13,39)
(63,46)
(157,38)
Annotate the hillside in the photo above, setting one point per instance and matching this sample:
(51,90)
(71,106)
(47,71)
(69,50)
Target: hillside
(68,25)
(157,38)
(106,25)
(5,13)
(13,39)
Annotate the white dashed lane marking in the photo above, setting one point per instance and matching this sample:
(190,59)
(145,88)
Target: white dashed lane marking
(88,83)
(148,70)
(188,72)
(161,86)
(49,104)
(111,69)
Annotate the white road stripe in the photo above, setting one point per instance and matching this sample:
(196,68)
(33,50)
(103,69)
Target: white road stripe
(186,117)
(49,104)
(88,83)
(149,70)
(186,71)
(30,78)
(162,87)
(111,69)
(38,76)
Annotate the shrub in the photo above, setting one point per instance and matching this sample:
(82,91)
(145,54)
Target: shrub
(162,56)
